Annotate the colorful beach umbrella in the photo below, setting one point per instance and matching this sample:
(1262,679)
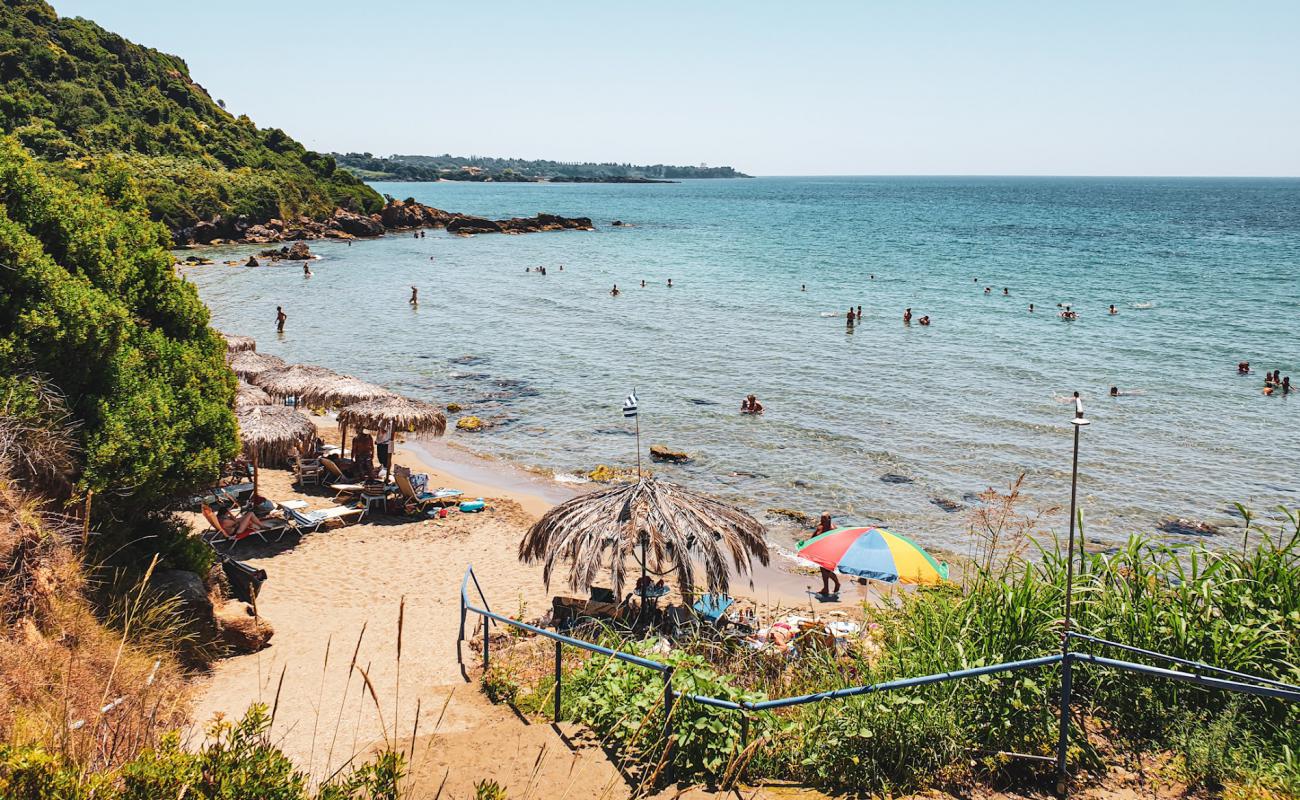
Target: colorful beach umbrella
(873,553)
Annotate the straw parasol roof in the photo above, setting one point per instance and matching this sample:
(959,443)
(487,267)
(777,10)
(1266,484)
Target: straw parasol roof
(344,390)
(238,344)
(273,432)
(671,526)
(249,364)
(247,395)
(403,413)
(295,380)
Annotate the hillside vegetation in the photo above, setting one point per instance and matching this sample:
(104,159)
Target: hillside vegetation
(482,168)
(83,98)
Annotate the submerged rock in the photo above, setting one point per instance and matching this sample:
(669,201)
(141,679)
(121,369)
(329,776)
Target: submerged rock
(661,453)
(951,506)
(894,477)
(603,473)
(1187,527)
(790,513)
(471,424)
(252,262)
(453,408)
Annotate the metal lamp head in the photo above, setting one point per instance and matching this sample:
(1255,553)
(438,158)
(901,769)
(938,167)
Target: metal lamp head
(1078,411)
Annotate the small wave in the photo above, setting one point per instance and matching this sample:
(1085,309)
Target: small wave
(793,556)
(1143,306)
(829,314)
(569,477)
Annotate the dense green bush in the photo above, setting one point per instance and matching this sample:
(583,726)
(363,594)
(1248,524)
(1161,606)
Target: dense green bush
(75,94)
(89,301)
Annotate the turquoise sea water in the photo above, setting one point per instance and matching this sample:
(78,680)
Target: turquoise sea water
(1205,273)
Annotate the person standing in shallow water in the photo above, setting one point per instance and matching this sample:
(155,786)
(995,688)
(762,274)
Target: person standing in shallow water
(670,283)
(907,316)
(415,296)
(280,317)
(614,292)
(850,316)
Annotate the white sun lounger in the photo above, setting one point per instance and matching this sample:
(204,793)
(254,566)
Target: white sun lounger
(316,519)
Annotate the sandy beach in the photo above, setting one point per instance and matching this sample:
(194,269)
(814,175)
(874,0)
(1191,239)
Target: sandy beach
(336,592)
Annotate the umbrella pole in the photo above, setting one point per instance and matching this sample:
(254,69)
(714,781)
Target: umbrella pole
(255,472)
(343,441)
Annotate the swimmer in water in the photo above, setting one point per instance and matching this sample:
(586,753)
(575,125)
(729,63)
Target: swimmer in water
(850,316)
(924,320)
(1243,367)
(561,268)
(873,277)
(803,287)
(614,292)
(1006,292)
(1114,391)
(1113,310)
(859,313)
(750,405)
(306,269)
(643,284)
(988,289)
(907,316)
(1031,308)
(670,283)
(415,296)
(1286,385)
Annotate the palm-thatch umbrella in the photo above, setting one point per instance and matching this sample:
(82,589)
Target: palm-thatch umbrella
(238,344)
(343,390)
(403,413)
(247,395)
(672,526)
(249,364)
(295,380)
(270,433)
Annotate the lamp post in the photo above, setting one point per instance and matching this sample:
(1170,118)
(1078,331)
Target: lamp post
(1078,422)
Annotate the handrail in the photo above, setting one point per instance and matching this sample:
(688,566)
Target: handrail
(1187,677)
(1241,676)
(903,683)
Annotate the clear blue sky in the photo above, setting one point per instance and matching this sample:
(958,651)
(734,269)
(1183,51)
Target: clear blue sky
(907,87)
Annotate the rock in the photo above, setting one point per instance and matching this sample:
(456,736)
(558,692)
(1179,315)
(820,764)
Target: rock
(453,408)
(409,213)
(894,477)
(240,629)
(356,224)
(298,251)
(603,473)
(1187,527)
(950,506)
(252,262)
(789,513)
(618,223)
(472,424)
(661,453)
(466,226)
(191,593)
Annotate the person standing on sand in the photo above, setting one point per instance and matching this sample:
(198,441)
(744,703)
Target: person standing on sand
(280,317)
(384,444)
(823,525)
(363,453)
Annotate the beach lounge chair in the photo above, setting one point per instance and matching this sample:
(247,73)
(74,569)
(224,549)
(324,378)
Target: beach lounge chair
(567,612)
(315,520)
(217,535)
(713,607)
(336,480)
(413,501)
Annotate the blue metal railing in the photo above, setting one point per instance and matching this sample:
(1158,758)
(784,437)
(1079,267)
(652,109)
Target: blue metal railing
(1242,682)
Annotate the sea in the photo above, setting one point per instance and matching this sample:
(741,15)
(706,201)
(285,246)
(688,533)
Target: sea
(885,423)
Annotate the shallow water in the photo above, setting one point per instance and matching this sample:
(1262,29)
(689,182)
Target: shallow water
(1204,273)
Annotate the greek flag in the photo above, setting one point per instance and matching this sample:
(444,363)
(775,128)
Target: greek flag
(629,405)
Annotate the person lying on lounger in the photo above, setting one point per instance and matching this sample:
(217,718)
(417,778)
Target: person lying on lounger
(236,527)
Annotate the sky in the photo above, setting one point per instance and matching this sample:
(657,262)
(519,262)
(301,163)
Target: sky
(913,87)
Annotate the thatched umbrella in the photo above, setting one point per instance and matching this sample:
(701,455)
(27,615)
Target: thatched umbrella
(295,380)
(403,413)
(247,395)
(238,344)
(673,527)
(249,364)
(270,433)
(344,390)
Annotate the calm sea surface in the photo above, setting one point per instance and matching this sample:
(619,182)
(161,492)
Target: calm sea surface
(1205,273)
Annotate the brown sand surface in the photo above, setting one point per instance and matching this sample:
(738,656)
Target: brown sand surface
(338,592)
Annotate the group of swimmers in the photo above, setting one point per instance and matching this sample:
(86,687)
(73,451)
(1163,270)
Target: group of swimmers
(750,405)
(907,318)
(1273,381)
(540,270)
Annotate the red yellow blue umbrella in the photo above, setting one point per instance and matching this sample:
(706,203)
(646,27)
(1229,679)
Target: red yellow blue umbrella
(873,553)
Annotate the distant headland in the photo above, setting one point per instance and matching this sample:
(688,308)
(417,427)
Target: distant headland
(517,170)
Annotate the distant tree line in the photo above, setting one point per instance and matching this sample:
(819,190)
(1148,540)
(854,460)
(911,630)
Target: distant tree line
(484,168)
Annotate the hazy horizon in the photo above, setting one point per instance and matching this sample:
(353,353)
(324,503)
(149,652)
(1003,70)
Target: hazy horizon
(942,89)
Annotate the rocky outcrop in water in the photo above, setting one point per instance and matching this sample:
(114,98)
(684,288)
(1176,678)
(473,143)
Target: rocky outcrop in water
(661,453)
(298,251)
(405,214)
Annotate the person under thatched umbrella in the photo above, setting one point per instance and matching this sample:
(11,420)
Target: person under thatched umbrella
(249,364)
(295,380)
(247,395)
(272,433)
(238,344)
(672,528)
(401,413)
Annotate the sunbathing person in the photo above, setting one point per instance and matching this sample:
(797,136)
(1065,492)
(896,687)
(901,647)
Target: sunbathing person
(236,527)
